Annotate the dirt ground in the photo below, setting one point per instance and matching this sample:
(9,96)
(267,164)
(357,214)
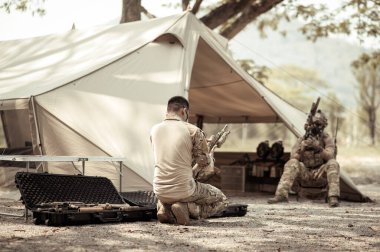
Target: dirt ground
(296,226)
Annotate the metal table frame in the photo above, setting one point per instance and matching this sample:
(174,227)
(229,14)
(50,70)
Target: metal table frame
(72,159)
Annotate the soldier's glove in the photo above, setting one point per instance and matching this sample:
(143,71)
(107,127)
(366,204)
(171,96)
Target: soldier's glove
(211,141)
(306,144)
(310,144)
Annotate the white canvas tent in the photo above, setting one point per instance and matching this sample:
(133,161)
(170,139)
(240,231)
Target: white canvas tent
(98,92)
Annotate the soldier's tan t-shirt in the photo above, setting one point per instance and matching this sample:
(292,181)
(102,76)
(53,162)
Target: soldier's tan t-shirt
(175,145)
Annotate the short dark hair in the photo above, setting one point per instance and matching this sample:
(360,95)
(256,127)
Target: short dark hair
(176,103)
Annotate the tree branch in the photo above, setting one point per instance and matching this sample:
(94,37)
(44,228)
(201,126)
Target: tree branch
(130,11)
(247,16)
(196,6)
(185,4)
(146,12)
(224,12)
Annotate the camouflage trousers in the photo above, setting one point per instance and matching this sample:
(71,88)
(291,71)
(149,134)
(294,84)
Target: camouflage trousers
(295,169)
(208,200)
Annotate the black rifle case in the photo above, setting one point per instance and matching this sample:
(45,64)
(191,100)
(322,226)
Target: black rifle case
(60,200)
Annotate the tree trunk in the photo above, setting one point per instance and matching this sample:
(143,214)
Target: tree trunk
(372,124)
(131,11)
(196,6)
(185,4)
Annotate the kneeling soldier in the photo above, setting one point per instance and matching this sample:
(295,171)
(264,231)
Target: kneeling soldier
(178,144)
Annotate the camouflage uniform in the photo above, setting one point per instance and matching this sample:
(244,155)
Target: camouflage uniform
(206,201)
(203,200)
(209,201)
(309,165)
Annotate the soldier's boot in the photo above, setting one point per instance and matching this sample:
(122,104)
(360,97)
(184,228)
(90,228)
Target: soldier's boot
(213,210)
(291,171)
(164,213)
(333,201)
(194,210)
(181,213)
(277,199)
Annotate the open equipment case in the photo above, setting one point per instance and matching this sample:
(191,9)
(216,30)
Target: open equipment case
(59,200)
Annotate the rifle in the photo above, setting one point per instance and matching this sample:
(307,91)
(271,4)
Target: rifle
(216,141)
(309,121)
(81,207)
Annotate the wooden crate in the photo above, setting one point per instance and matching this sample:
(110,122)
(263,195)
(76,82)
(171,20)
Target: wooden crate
(233,178)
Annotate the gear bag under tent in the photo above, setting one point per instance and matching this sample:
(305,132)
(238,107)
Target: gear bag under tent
(98,91)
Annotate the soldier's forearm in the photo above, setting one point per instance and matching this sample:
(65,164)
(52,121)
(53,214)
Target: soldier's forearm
(327,154)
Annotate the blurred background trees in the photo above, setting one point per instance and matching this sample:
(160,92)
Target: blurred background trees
(32,6)
(367,73)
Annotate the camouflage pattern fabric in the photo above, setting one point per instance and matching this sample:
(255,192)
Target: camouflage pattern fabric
(205,202)
(209,175)
(203,174)
(295,169)
(311,159)
(204,163)
(210,200)
(200,150)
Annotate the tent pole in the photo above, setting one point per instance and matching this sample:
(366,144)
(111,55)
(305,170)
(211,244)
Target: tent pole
(26,209)
(38,137)
(200,121)
(120,176)
(5,129)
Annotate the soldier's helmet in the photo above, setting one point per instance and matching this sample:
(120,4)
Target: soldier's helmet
(319,119)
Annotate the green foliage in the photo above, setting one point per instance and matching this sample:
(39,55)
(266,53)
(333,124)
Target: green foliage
(32,6)
(358,17)
(271,22)
(260,73)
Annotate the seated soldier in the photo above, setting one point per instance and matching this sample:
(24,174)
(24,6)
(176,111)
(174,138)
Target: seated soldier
(178,144)
(312,159)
